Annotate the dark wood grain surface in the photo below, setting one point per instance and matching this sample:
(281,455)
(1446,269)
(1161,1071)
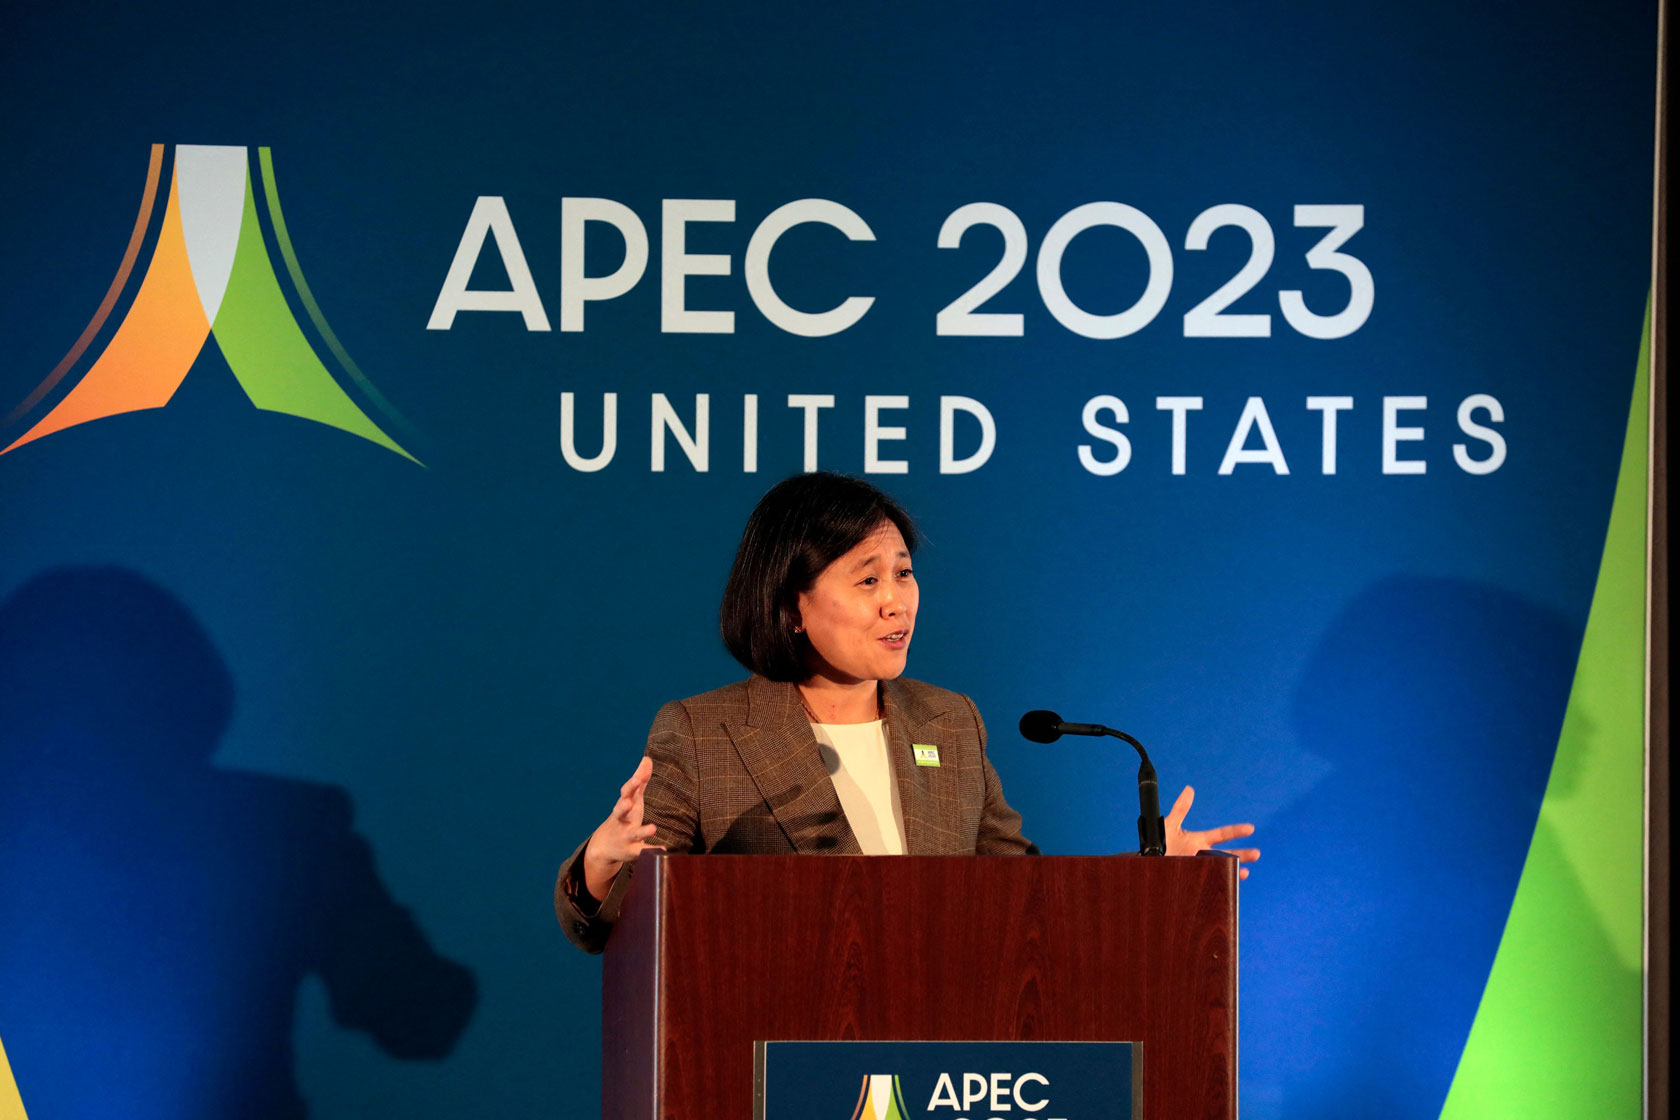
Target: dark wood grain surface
(714,953)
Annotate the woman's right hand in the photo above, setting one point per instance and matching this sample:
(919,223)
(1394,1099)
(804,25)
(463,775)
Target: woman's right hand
(621,837)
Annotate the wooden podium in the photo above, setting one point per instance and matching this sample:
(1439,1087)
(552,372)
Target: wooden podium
(713,954)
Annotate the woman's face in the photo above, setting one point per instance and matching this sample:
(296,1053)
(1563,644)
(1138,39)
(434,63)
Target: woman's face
(861,610)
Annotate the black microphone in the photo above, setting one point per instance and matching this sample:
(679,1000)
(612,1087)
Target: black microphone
(1046,727)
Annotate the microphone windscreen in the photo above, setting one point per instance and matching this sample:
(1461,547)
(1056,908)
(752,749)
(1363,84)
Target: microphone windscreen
(1041,726)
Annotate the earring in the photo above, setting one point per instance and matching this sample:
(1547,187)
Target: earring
(799,629)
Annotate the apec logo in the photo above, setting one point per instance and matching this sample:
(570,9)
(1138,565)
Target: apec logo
(882,1095)
(997,1094)
(881,1098)
(210,274)
(215,241)
(948,1080)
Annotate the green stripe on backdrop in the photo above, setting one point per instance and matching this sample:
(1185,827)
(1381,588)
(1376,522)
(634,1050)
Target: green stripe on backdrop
(1559,1030)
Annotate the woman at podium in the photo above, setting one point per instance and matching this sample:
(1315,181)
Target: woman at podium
(827,747)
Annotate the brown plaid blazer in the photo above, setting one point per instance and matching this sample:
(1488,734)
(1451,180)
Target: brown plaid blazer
(737,770)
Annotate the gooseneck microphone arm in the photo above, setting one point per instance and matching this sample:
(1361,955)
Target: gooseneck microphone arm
(1152,830)
(1047,727)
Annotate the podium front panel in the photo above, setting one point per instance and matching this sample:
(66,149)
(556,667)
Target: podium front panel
(716,954)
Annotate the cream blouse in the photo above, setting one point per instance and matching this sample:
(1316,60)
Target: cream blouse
(856,757)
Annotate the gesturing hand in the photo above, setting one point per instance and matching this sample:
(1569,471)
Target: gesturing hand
(621,837)
(1182,843)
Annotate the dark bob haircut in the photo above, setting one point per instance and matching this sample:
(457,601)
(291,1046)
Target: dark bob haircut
(804,524)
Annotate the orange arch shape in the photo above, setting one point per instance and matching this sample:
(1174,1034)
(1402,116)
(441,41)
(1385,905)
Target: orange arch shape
(149,356)
(148,199)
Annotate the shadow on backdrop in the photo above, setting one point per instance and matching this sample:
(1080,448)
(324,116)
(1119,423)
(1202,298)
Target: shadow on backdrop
(1439,703)
(158,914)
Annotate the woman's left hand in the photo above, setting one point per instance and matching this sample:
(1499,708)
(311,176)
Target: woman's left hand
(1182,843)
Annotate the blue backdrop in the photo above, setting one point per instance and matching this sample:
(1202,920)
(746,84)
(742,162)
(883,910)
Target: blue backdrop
(288,773)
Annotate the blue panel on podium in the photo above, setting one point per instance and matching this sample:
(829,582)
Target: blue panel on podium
(947,1080)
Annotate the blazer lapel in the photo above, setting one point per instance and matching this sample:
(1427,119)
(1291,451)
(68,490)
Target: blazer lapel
(778,750)
(908,717)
